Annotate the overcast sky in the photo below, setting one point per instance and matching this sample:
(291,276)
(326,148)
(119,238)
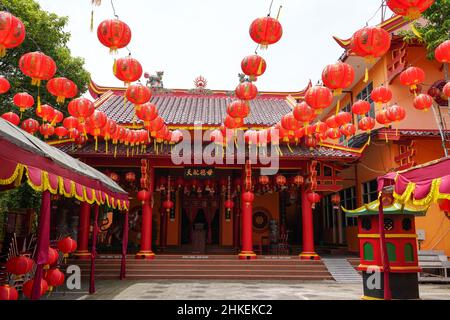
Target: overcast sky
(188,38)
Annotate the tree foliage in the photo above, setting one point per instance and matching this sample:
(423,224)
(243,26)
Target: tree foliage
(45,32)
(436,28)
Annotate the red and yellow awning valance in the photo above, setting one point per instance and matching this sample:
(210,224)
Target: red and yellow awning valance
(13,173)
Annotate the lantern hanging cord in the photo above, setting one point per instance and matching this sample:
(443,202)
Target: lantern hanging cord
(114,9)
(376,12)
(270,8)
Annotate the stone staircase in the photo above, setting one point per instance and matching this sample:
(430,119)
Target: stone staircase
(341,270)
(208,267)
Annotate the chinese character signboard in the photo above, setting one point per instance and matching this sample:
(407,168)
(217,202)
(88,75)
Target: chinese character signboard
(199,173)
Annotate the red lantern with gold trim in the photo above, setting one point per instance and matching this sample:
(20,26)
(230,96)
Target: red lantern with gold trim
(248,197)
(61,132)
(238,109)
(446,90)
(127,70)
(130,177)
(290,123)
(343,118)
(442,52)
(336,199)
(55,278)
(4,85)
(348,130)
(304,113)
(313,198)
(71,123)
(246,91)
(332,122)
(46,130)
(311,142)
(138,94)
(263,180)
(23,101)
(8,293)
(266,31)
(114,34)
(233,123)
(53,256)
(19,265)
(46,113)
(412,77)
(396,113)
(280,180)
(338,76)
(410,9)
(334,133)
(143,196)
(12,32)
(62,89)
(28,288)
(67,246)
(168,205)
(367,124)
(319,98)
(229,204)
(361,107)
(155,125)
(380,96)
(253,66)
(298,180)
(11,117)
(37,66)
(423,102)
(81,108)
(382,118)
(30,125)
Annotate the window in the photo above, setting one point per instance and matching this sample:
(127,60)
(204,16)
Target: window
(366,223)
(328,211)
(392,255)
(370,191)
(407,224)
(409,253)
(348,201)
(368,251)
(365,95)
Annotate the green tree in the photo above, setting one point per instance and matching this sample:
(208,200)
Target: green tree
(45,32)
(436,28)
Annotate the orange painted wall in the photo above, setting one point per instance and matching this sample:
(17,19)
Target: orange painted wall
(269,202)
(437,230)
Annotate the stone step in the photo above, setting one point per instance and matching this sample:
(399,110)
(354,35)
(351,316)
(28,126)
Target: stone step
(217,277)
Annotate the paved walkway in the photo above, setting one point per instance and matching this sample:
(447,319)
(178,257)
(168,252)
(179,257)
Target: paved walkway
(242,290)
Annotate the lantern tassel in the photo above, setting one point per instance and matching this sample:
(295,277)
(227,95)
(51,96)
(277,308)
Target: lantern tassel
(96,143)
(115,67)
(39,100)
(128,152)
(366,77)
(115,151)
(289,147)
(2,51)
(416,32)
(338,106)
(106,146)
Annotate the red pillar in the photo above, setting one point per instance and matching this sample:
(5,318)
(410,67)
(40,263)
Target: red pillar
(308,230)
(146,228)
(84,224)
(247,252)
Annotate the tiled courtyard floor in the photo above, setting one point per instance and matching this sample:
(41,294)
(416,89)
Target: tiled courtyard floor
(242,290)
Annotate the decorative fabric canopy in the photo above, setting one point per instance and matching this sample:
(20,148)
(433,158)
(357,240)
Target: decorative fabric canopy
(395,208)
(421,185)
(49,169)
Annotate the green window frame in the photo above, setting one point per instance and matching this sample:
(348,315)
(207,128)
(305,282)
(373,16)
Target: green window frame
(391,250)
(368,252)
(409,252)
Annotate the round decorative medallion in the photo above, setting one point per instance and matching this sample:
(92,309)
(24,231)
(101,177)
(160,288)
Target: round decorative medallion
(261,220)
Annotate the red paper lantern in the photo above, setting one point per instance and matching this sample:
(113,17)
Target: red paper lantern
(334,133)
(229,204)
(298,181)
(62,89)
(233,123)
(442,52)
(238,109)
(61,132)
(319,98)
(343,118)
(46,112)
(114,177)
(263,180)
(28,288)
(30,125)
(143,196)
(96,122)
(147,112)
(336,199)
(338,76)
(348,130)
(396,113)
(46,130)
(127,70)
(54,278)
(382,118)
(304,113)
(81,108)
(423,102)
(114,34)
(248,197)
(71,123)
(168,205)
(155,125)
(332,122)
(4,84)
(8,293)
(370,42)
(19,265)
(23,101)
(311,142)
(246,91)
(138,94)
(412,77)
(11,117)
(57,117)
(381,95)
(80,139)
(367,124)
(67,246)
(251,137)
(280,180)
(290,123)
(446,90)
(253,66)
(53,256)
(266,31)
(12,32)
(130,177)
(361,107)
(37,66)
(410,9)
(313,198)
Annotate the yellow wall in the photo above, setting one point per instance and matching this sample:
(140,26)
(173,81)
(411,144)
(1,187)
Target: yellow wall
(437,230)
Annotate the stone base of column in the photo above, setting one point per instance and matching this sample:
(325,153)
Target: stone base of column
(309,256)
(146,255)
(82,255)
(247,255)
